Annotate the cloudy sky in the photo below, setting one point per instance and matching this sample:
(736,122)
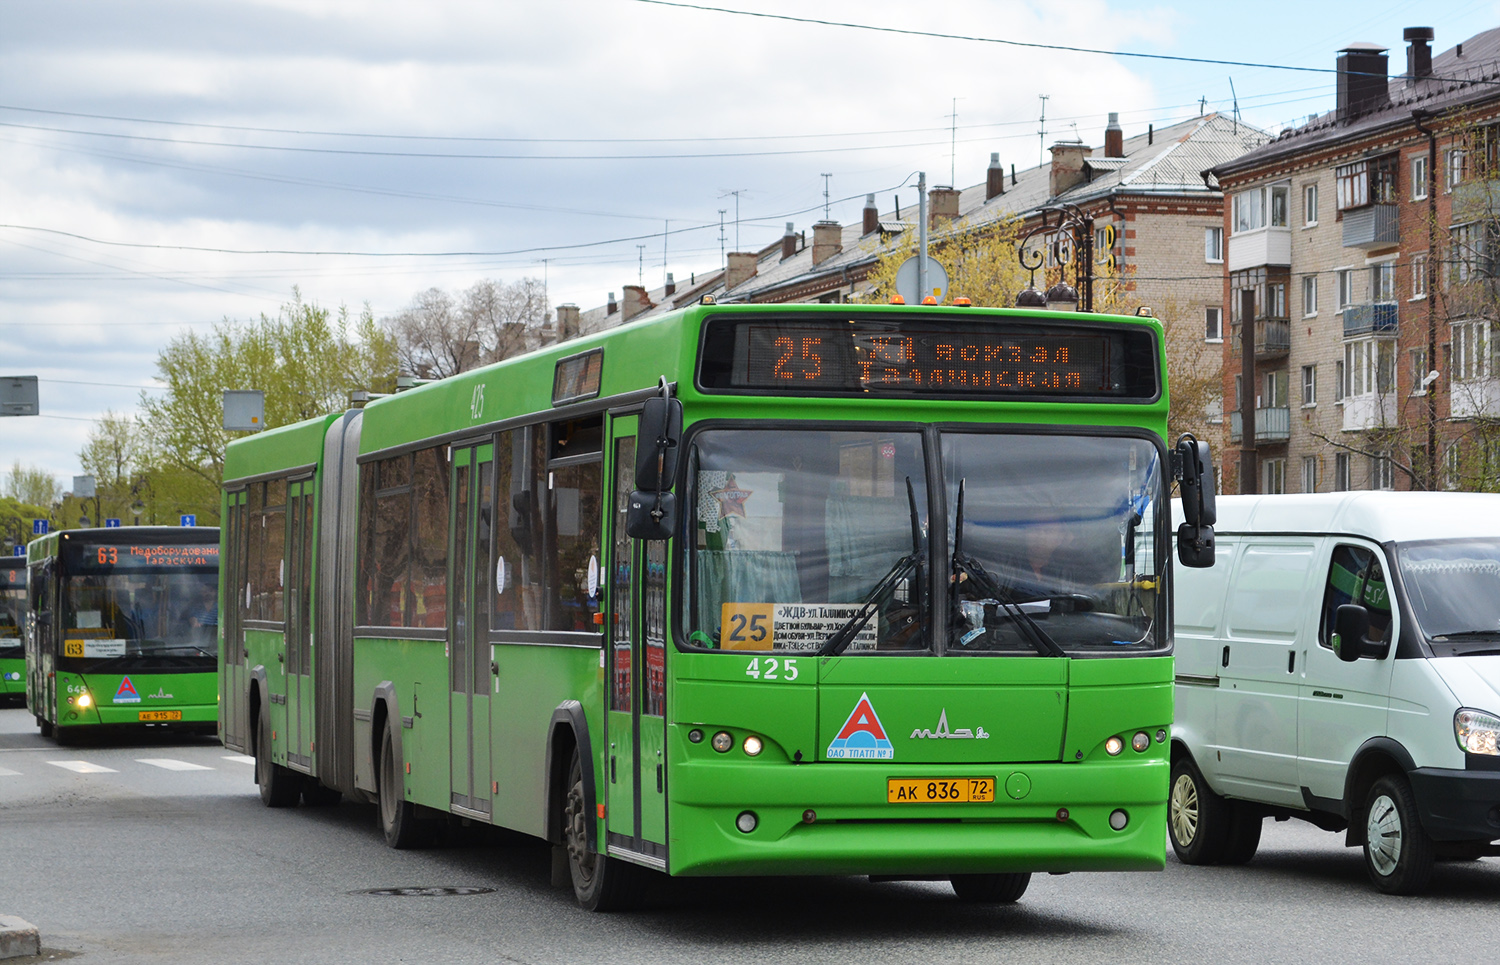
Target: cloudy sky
(590,142)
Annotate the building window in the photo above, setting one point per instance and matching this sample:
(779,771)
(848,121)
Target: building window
(1353,185)
(1275,391)
(1309,474)
(1418,276)
(1451,466)
(1274,473)
(1370,364)
(1309,295)
(1310,204)
(1471,351)
(1309,385)
(1239,393)
(1471,246)
(1280,202)
(1457,168)
(1213,244)
(1250,210)
(1418,371)
(1213,323)
(1340,384)
(1345,278)
(1383,282)
(1341,472)
(1382,472)
(1419,177)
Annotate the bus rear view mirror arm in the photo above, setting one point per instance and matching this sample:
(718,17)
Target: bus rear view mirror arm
(1193,466)
(651,515)
(1351,627)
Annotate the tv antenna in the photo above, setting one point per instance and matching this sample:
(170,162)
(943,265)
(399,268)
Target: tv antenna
(825,195)
(1041,131)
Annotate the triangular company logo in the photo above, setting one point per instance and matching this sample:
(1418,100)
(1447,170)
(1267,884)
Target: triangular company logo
(127,693)
(862,738)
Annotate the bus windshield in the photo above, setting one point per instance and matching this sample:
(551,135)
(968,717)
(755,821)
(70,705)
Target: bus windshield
(1058,542)
(806,541)
(1454,589)
(147,619)
(12,612)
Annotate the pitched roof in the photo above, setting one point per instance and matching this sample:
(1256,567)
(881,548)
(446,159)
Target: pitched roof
(1456,80)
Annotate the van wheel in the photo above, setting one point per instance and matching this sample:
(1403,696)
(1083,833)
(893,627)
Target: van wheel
(999,889)
(600,883)
(1197,818)
(279,786)
(1398,853)
(398,816)
(1245,823)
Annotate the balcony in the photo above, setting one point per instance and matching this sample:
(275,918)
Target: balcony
(1263,247)
(1373,226)
(1373,318)
(1373,410)
(1271,425)
(1273,338)
(1474,399)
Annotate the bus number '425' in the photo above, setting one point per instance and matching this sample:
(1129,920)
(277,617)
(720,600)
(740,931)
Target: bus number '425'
(772,668)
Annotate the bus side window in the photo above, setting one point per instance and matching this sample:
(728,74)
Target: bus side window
(510,461)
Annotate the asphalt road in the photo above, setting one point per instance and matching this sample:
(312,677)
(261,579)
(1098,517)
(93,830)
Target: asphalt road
(158,850)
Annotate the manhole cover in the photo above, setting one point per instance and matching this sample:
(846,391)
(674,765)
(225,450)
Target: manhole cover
(425,892)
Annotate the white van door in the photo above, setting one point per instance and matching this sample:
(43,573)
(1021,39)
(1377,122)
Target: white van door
(1342,705)
(1269,595)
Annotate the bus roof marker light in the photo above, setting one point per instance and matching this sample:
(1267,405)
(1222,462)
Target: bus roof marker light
(929,300)
(962,302)
(897,300)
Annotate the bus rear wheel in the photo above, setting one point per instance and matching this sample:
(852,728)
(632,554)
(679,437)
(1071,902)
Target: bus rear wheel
(279,787)
(998,889)
(398,816)
(600,883)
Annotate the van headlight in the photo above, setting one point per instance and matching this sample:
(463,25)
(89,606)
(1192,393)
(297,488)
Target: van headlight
(1478,732)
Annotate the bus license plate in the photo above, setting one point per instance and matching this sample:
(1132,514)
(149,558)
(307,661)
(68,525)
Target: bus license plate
(954,790)
(159,715)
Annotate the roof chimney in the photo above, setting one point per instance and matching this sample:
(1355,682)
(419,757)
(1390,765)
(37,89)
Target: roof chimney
(828,239)
(1067,166)
(567,321)
(741,269)
(1362,80)
(994,178)
(636,301)
(942,206)
(789,242)
(871,222)
(1114,137)
(1418,53)
(670,288)
(613,306)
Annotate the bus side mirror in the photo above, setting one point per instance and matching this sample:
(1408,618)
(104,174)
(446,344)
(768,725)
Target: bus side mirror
(651,515)
(657,444)
(1193,466)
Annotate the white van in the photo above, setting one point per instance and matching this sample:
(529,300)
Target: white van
(1340,663)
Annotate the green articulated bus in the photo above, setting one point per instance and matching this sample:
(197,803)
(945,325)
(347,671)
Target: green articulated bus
(12,622)
(739,590)
(122,629)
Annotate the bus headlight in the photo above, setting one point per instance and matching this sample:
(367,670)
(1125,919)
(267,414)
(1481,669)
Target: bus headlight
(753,746)
(86,701)
(1477,732)
(1114,746)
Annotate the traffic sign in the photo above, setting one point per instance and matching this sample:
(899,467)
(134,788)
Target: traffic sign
(906,281)
(18,395)
(38,527)
(189,519)
(20,549)
(111,523)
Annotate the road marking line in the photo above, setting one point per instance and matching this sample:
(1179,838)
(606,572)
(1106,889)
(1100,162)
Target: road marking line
(239,758)
(7,772)
(167,764)
(83,767)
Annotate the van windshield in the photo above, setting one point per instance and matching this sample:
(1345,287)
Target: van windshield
(1454,589)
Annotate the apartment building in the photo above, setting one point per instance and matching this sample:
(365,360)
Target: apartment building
(1361,260)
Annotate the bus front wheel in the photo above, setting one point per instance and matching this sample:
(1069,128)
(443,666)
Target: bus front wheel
(600,883)
(398,816)
(998,889)
(279,787)
(44,725)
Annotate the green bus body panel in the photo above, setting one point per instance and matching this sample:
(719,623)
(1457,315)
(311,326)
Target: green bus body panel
(194,694)
(12,676)
(1046,720)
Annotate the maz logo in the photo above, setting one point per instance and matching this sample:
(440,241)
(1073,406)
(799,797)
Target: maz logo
(476,404)
(943,733)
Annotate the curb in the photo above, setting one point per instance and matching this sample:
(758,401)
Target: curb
(18,938)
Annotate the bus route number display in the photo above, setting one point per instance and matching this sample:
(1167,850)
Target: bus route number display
(952,362)
(146,556)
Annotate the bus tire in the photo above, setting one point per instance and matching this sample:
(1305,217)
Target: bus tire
(1398,852)
(1245,823)
(1197,818)
(996,889)
(398,816)
(44,725)
(600,883)
(316,795)
(279,787)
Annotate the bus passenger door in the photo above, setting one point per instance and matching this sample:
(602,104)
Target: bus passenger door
(470,659)
(233,696)
(298,645)
(635,778)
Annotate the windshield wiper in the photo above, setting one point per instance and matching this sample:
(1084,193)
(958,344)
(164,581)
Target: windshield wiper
(966,567)
(911,563)
(1468,635)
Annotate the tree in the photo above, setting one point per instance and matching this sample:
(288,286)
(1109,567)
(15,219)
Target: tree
(980,261)
(31,485)
(440,334)
(304,360)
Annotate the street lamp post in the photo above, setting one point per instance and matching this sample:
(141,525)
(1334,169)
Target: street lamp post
(1072,241)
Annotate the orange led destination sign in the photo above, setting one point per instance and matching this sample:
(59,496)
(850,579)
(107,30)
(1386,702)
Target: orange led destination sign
(144,556)
(926,357)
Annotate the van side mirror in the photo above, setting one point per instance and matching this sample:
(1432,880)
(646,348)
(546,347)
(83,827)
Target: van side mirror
(657,444)
(1193,466)
(651,515)
(1351,629)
